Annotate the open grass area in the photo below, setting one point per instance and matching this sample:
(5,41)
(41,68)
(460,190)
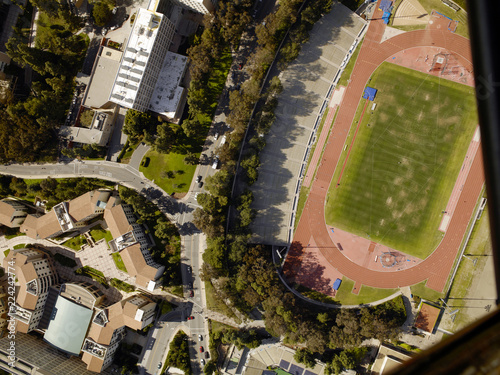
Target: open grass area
(119,262)
(76,242)
(98,234)
(405,160)
(439,6)
(420,290)
(159,164)
(366,293)
(6,252)
(472,265)
(20,246)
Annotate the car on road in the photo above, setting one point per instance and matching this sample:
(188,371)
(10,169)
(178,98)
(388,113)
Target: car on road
(201,349)
(202,361)
(200,184)
(200,337)
(196,195)
(215,164)
(207,354)
(159,365)
(191,293)
(223,140)
(216,136)
(198,179)
(190,317)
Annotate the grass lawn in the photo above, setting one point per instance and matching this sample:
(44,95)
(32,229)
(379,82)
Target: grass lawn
(366,293)
(429,5)
(75,243)
(403,166)
(20,246)
(6,252)
(173,161)
(479,248)
(119,262)
(422,291)
(98,234)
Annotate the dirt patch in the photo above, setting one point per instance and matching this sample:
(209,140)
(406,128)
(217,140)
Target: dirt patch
(179,195)
(388,201)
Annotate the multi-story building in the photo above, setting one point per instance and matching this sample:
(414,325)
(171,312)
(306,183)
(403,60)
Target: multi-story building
(76,322)
(36,274)
(67,216)
(133,245)
(142,60)
(129,238)
(200,6)
(12,213)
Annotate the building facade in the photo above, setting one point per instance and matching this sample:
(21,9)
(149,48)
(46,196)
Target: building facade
(36,274)
(200,6)
(142,60)
(12,213)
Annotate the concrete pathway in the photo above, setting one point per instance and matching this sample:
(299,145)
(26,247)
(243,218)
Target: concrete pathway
(140,151)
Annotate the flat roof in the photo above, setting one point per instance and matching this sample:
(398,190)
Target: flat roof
(135,57)
(68,326)
(103,76)
(427,317)
(167,92)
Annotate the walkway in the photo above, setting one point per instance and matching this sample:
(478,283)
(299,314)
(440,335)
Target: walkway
(311,228)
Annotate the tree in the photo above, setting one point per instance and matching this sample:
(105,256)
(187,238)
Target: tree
(191,158)
(306,357)
(165,139)
(102,13)
(135,123)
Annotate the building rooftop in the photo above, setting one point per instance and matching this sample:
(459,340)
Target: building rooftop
(68,326)
(102,78)
(427,317)
(122,242)
(135,57)
(167,93)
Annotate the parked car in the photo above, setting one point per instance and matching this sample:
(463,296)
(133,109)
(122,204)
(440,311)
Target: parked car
(200,184)
(215,164)
(202,361)
(201,349)
(198,179)
(207,354)
(216,136)
(190,317)
(200,337)
(159,365)
(191,293)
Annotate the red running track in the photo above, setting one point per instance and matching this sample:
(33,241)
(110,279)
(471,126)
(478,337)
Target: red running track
(312,228)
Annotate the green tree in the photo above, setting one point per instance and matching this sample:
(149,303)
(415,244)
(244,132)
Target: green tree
(102,13)
(191,158)
(165,139)
(306,357)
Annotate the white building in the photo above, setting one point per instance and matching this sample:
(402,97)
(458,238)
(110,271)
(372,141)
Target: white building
(142,60)
(200,6)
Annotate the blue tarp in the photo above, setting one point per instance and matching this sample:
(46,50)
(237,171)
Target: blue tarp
(386,16)
(369,93)
(385,5)
(336,284)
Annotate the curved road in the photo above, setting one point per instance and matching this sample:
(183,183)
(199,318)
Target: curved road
(437,266)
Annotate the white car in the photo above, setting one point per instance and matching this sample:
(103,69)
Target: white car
(223,140)
(196,196)
(200,337)
(215,164)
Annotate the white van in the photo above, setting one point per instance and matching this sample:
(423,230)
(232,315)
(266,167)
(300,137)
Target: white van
(215,164)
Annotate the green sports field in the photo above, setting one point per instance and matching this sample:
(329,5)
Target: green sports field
(405,160)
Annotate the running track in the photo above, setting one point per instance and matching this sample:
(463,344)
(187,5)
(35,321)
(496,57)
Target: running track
(312,228)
